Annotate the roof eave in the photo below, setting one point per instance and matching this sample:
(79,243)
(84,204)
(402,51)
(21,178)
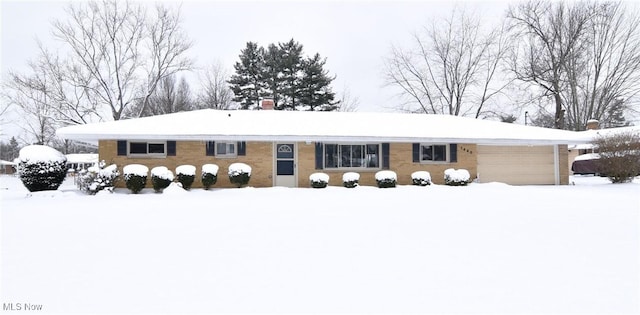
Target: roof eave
(318,138)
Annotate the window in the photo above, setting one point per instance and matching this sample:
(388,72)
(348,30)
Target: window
(351,155)
(225,148)
(434,152)
(148,148)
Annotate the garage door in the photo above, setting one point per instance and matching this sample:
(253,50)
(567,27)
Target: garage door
(516,165)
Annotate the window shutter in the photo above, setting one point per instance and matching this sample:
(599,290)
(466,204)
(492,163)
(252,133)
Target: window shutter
(385,156)
(242,148)
(416,152)
(318,155)
(210,148)
(453,152)
(171,148)
(122,147)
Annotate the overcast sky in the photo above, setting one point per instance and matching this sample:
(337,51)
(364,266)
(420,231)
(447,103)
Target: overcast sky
(354,36)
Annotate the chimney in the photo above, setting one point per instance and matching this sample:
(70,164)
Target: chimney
(593,124)
(267,104)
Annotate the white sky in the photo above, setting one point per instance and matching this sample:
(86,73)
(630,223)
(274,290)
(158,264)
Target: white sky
(354,36)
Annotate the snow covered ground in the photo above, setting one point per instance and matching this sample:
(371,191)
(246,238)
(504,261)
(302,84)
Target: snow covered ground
(485,248)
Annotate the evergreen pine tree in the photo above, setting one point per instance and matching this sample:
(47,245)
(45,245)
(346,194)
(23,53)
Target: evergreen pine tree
(247,83)
(614,116)
(273,75)
(315,89)
(291,67)
(14,148)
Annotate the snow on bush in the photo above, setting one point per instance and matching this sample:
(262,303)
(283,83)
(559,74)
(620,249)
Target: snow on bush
(421,178)
(453,177)
(319,180)
(174,189)
(135,176)
(186,174)
(350,179)
(161,178)
(97,178)
(209,175)
(239,174)
(386,179)
(41,167)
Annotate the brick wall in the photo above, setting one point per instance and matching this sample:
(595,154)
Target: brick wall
(258,156)
(400,160)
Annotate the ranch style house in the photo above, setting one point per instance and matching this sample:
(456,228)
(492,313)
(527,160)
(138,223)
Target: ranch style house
(284,148)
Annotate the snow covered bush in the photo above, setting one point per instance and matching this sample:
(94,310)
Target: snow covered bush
(96,178)
(319,180)
(454,177)
(161,178)
(209,175)
(41,167)
(386,179)
(135,176)
(421,178)
(619,156)
(186,174)
(239,174)
(350,179)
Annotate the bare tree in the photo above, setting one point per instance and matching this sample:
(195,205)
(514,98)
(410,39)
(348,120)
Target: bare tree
(64,88)
(170,96)
(348,102)
(608,70)
(452,69)
(33,107)
(122,53)
(215,92)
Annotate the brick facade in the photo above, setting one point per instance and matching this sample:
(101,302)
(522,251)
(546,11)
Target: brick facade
(400,161)
(259,155)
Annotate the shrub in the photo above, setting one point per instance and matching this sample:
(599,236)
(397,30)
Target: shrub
(209,175)
(135,176)
(186,174)
(619,156)
(454,177)
(350,179)
(41,168)
(319,180)
(421,178)
(239,174)
(161,178)
(386,179)
(97,178)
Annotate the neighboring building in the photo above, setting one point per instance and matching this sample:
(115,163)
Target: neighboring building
(7,167)
(285,147)
(81,161)
(585,151)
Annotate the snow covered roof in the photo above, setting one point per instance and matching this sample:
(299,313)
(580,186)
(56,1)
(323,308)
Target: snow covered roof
(592,134)
(82,158)
(247,125)
(3,162)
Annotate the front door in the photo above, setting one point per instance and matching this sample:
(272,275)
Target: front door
(285,168)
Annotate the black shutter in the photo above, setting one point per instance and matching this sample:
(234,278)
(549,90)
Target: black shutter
(122,147)
(242,148)
(385,156)
(171,148)
(453,152)
(416,152)
(210,148)
(319,155)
